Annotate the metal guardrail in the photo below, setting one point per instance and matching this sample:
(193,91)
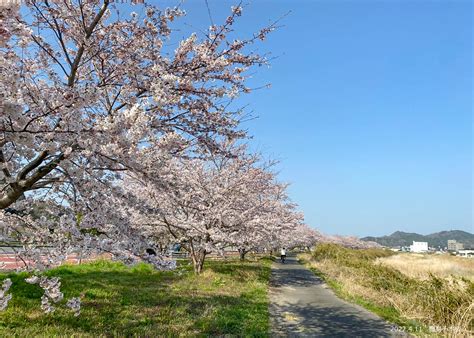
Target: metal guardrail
(179,255)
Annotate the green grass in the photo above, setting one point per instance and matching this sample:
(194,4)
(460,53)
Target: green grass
(228,298)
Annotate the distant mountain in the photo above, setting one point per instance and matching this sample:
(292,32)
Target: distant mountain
(438,239)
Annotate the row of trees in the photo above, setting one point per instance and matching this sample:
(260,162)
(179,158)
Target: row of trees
(110,141)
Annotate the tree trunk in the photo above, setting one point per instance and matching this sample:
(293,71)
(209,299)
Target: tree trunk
(242,253)
(198,258)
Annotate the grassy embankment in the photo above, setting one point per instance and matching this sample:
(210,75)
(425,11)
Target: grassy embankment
(420,298)
(229,297)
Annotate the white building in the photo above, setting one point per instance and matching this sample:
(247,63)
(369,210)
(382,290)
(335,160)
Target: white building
(419,247)
(466,253)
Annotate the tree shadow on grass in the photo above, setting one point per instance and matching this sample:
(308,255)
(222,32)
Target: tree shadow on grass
(240,271)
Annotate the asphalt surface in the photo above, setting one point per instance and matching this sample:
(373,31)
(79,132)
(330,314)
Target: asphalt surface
(302,305)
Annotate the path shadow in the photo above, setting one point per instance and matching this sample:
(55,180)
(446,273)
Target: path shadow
(301,320)
(302,306)
(290,273)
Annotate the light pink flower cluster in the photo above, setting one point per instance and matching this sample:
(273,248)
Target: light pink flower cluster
(348,241)
(4,297)
(53,294)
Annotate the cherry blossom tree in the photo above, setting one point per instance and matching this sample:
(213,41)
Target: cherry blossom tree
(86,88)
(88,94)
(81,90)
(303,237)
(276,225)
(211,202)
(349,242)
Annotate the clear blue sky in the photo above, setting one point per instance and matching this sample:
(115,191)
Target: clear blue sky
(370,109)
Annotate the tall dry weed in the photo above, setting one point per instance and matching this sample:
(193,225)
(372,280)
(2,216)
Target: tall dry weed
(421,266)
(444,303)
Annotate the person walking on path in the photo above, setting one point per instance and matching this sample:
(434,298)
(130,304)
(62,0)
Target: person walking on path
(283,255)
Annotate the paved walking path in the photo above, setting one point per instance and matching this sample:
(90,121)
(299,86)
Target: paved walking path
(302,305)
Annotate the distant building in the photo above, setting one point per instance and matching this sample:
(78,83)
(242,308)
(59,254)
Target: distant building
(466,253)
(419,247)
(453,245)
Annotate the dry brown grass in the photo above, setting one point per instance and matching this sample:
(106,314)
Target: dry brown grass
(430,293)
(420,266)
